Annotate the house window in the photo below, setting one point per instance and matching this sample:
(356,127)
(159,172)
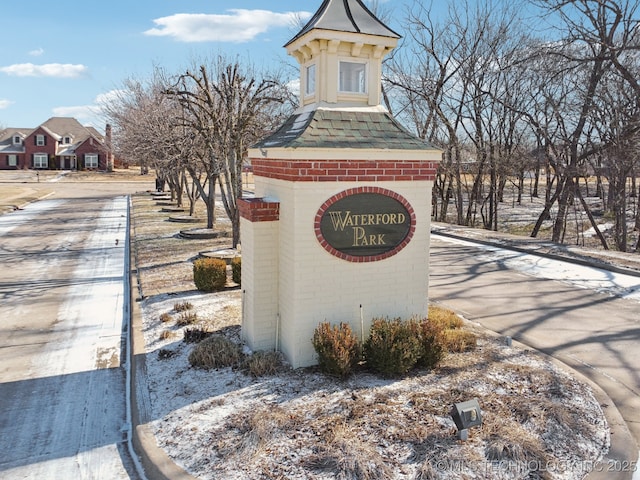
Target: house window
(12,160)
(17,140)
(353,77)
(40,160)
(40,141)
(66,140)
(91,160)
(310,88)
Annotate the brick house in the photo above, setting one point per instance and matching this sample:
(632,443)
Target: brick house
(60,143)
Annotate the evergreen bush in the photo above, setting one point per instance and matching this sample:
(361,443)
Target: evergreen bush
(337,348)
(209,274)
(236,269)
(393,348)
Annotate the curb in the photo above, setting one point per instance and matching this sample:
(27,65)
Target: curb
(622,458)
(156,463)
(571,258)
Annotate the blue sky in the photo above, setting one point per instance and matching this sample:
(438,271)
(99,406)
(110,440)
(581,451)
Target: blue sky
(64,57)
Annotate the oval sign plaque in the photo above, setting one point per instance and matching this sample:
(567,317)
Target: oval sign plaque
(365,226)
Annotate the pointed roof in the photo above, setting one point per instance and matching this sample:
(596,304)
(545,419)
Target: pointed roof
(346,16)
(343,129)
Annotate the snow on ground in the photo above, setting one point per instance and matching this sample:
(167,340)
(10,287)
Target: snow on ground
(599,280)
(200,415)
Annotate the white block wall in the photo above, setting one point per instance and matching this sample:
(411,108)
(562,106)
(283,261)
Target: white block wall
(313,286)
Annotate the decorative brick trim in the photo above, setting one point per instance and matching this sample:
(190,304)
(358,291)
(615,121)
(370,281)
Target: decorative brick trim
(355,191)
(259,210)
(345,170)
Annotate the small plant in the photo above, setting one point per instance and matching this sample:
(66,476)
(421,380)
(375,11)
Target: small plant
(182,306)
(215,351)
(187,318)
(210,274)
(433,346)
(165,318)
(337,348)
(166,334)
(236,270)
(458,341)
(444,317)
(195,335)
(165,353)
(393,348)
(263,363)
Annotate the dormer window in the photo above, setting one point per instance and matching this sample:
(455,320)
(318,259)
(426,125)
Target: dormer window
(310,87)
(353,77)
(66,140)
(40,140)
(17,140)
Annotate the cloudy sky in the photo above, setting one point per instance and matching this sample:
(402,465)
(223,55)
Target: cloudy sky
(63,57)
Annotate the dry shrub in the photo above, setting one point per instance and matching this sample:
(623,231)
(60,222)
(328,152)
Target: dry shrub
(165,318)
(446,318)
(215,351)
(345,455)
(182,306)
(261,364)
(187,318)
(165,353)
(256,430)
(166,334)
(337,348)
(195,335)
(458,341)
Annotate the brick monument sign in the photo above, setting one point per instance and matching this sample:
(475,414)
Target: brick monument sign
(339,227)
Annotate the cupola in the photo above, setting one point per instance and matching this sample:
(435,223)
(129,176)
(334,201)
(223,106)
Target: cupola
(340,52)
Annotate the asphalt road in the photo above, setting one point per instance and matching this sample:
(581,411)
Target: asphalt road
(595,333)
(62,383)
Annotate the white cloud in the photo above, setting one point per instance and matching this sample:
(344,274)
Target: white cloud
(4,103)
(37,52)
(238,26)
(59,70)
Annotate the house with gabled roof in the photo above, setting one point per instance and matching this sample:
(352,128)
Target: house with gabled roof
(60,143)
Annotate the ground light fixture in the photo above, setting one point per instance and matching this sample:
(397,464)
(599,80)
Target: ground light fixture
(466,415)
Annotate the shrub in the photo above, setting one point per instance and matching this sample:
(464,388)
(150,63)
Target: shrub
(164,354)
(209,274)
(166,334)
(337,348)
(182,307)
(165,318)
(263,363)
(433,346)
(236,270)
(187,318)
(459,341)
(215,351)
(444,317)
(393,347)
(195,335)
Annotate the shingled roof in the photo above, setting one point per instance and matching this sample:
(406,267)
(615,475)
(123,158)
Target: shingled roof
(343,129)
(346,16)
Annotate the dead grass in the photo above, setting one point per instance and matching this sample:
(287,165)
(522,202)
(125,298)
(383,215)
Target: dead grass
(303,425)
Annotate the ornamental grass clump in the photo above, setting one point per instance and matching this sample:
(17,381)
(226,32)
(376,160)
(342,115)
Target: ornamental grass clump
(216,351)
(393,348)
(337,348)
(210,274)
